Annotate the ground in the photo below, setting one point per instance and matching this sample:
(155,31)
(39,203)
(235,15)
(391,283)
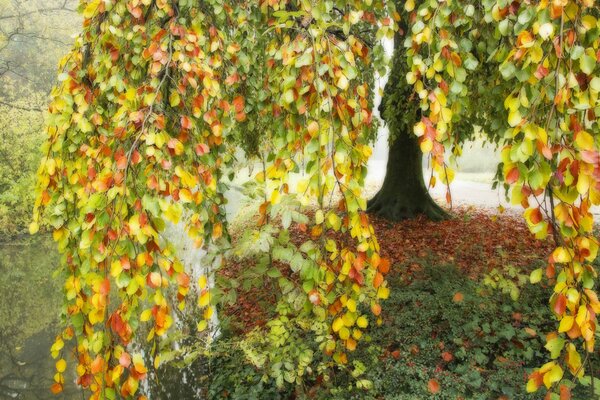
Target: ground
(463,321)
(476,241)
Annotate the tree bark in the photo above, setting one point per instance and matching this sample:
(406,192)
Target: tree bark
(403,194)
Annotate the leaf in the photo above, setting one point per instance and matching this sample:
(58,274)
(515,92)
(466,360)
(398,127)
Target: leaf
(319,217)
(146,315)
(584,141)
(458,297)
(433,386)
(566,323)
(34,227)
(554,375)
(587,64)
(536,276)
(555,346)
(61,365)
(174,99)
(378,280)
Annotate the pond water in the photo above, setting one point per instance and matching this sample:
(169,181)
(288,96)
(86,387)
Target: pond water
(29,322)
(29,319)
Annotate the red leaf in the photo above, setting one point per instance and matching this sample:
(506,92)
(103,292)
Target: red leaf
(560,305)
(202,149)
(125,360)
(512,175)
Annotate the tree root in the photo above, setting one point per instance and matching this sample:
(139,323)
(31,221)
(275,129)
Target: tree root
(392,209)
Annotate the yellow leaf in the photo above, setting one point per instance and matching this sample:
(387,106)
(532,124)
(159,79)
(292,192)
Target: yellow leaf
(275,196)
(174,99)
(202,325)
(514,118)
(338,323)
(319,217)
(146,315)
(344,333)
(561,255)
(552,376)
(419,129)
(334,221)
(34,227)
(582,315)
(574,360)
(342,82)
(584,141)
(426,145)
(351,305)
(566,323)
(91,9)
(204,298)
(362,322)
(173,213)
(61,365)
(383,292)
(202,281)
(531,386)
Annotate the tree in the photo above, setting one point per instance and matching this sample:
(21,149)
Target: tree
(156,96)
(33,36)
(152,102)
(539,63)
(403,193)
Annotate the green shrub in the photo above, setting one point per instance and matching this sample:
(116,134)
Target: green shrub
(475,341)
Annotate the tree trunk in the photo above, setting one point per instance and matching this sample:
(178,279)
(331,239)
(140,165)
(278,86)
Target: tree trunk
(403,194)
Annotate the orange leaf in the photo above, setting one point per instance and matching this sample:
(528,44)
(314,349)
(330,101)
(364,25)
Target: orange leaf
(458,297)
(378,280)
(97,365)
(238,104)
(447,356)
(202,149)
(384,265)
(433,386)
(186,122)
(56,388)
(565,393)
(105,287)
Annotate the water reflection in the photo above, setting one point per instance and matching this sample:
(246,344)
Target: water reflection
(29,316)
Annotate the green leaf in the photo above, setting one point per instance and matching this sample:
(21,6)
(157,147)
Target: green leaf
(587,64)
(536,276)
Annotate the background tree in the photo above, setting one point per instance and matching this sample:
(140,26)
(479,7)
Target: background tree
(34,35)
